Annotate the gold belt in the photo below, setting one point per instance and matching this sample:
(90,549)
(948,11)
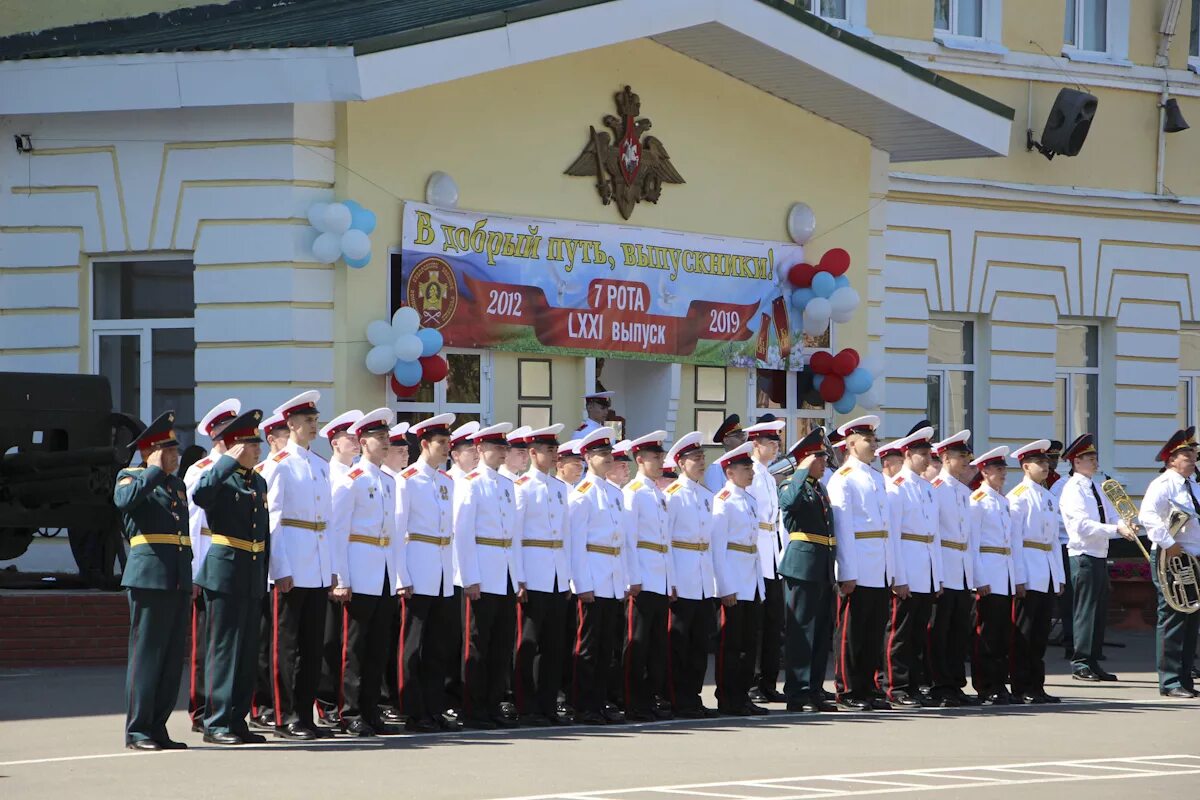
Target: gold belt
(440,541)
(239,544)
(960,546)
(766,526)
(870,534)
(608,551)
(1000,551)
(205,532)
(303,523)
(551,544)
(1045,548)
(362,538)
(698,547)
(923,538)
(751,549)
(160,538)
(490,541)
(815,538)
(655,546)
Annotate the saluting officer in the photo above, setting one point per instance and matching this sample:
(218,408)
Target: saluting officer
(274,428)
(1035,526)
(648,540)
(234,578)
(729,436)
(950,624)
(153,505)
(692,622)
(211,425)
(764,439)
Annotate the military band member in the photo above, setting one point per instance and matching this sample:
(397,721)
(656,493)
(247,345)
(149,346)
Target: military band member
(234,578)
(430,628)
(648,541)
(152,502)
(597,519)
(807,571)
(868,571)
(275,430)
(541,523)
(343,444)
(919,556)
(487,567)
(211,425)
(516,460)
(999,574)
(950,624)
(1174,489)
(729,436)
(464,458)
(305,565)
(1035,518)
(764,440)
(1091,521)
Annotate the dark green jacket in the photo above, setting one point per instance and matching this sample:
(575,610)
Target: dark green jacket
(804,506)
(234,500)
(153,502)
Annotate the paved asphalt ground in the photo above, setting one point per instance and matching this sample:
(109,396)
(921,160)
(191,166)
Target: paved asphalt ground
(60,737)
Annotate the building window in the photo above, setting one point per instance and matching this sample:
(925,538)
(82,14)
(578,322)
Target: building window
(1189,377)
(1096,30)
(143,338)
(950,381)
(534,378)
(958,17)
(776,391)
(1077,381)
(848,14)
(830,9)
(461,394)
(710,397)
(1194,38)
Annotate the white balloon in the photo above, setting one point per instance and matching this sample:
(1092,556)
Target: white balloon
(407,347)
(380,334)
(842,317)
(801,222)
(316,215)
(356,245)
(874,365)
(815,327)
(870,399)
(818,308)
(405,320)
(441,190)
(336,219)
(844,300)
(380,360)
(327,248)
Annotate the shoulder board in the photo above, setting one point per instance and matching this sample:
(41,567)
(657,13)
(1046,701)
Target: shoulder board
(674,487)
(583,487)
(204,462)
(354,473)
(471,476)
(134,469)
(845,470)
(521,481)
(899,479)
(724,495)
(447,474)
(280,456)
(408,473)
(1020,490)
(581,427)
(633,487)
(938,481)
(979,495)
(259,468)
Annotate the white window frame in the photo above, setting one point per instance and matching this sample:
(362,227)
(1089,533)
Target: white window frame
(1194,42)
(943,430)
(440,405)
(1066,373)
(856,16)
(1116,36)
(992,26)
(1189,384)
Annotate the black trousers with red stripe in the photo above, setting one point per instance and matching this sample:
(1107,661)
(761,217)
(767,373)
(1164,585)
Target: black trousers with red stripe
(773,606)
(367,622)
(992,645)
(690,626)
(1031,632)
(331,659)
(489,626)
(196,659)
(596,634)
(739,638)
(428,633)
(299,634)
(264,683)
(645,653)
(949,640)
(541,631)
(862,618)
(903,667)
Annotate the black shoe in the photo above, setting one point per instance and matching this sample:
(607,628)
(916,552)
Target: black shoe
(143,744)
(965,699)
(945,700)
(448,722)
(711,713)
(391,716)
(1105,675)
(223,738)
(358,728)
(1195,673)
(997,699)
(508,709)
(564,709)
(1085,673)
(264,720)
(691,713)
(414,725)
(171,744)
(296,732)
(902,698)
(248,737)
(1028,699)
(1048,698)
(1179,693)
(880,704)
(640,716)
(535,721)
(328,715)
(480,724)
(505,722)
(736,711)
(197,726)
(663,713)
(561,721)
(855,704)
(771,695)
(612,714)
(590,718)
(756,710)
(757,695)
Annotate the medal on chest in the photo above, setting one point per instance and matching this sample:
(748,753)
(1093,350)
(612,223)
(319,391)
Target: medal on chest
(443,493)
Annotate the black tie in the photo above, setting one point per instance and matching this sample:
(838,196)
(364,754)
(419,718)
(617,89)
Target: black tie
(1188,483)
(1099,502)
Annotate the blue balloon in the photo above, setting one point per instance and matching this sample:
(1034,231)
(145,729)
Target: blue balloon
(351,204)
(408,373)
(358,263)
(818,379)
(362,219)
(823,284)
(845,404)
(841,282)
(859,381)
(800,298)
(431,341)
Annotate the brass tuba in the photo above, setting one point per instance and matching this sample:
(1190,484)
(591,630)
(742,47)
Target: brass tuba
(1177,576)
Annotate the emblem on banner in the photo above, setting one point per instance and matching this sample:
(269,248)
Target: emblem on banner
(433,292)
(635,167)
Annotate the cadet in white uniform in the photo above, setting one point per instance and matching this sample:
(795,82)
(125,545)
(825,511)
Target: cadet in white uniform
(729,436)
(738,567)
(595,412)
(1035,526)
(341,442)
(394,464)
(764,439)
(516,461)
(463,455)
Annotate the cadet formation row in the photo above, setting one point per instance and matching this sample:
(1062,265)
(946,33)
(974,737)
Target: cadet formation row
(536,582)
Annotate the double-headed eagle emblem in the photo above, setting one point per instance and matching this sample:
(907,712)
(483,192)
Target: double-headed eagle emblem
(633,169)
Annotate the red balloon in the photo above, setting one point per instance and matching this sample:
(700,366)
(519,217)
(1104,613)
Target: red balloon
(821,362)
(801,275)
(832,388)
(434,368)
(845,362)
(402,391)
(835,262)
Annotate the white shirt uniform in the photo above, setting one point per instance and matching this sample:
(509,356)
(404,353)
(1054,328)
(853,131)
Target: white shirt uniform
(765,492)
(541,523)
(338,470)
(587,427)
(689,519)
(1035,532)
(992,543)
(714,478)
(952,500)
(364,521)
(914,516)
(456,473)
(197,522)
(1157,506)
(597,520)
(648,537)
(737,560)
(860,505)
(1056,492)
(425,519)
(485,548)
(505,472)
(300,506)
(1086,535)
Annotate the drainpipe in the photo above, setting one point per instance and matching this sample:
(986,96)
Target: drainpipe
(1166,31)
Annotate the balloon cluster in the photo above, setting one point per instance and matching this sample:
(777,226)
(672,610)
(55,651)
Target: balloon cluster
(838,379)
(406,350)
(343,232)
(823,293)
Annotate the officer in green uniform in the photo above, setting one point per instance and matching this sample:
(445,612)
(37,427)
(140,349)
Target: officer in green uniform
(154,513)
(234,579)
(807,571)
